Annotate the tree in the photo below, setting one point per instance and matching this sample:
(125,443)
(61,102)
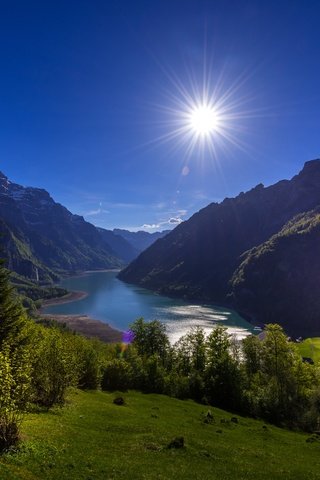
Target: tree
(54,368)
(9,415)
(150,338)
(138,372)
(12,316)
(279,385)
(252,352)
(222,373)
(191,352)
(155,375)
(15,364)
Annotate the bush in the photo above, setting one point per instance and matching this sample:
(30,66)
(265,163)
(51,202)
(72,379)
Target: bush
(178,386)
(9,416)
(155,375)
(9,430)
(90,377)
(117,375)
(53,369)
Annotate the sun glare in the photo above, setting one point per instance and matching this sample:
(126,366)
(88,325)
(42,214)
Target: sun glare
(204,120)
(205,114)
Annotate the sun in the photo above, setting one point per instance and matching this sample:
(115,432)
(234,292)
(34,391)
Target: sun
(204,120)
(205,114)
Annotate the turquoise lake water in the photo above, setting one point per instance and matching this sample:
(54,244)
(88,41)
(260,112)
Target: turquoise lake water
(119,304)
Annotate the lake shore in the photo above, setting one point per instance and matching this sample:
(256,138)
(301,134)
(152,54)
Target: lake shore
(90,321)
(69,297)
(87,326)
(82,324)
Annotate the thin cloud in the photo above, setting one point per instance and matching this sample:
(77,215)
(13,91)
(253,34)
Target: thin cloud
(148,226)
(175,220)
(98,211)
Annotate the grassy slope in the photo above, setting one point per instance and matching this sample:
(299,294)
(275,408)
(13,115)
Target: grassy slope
(310,347)
(94,439)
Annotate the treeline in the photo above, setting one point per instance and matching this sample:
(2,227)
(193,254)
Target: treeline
(32,294)
(38,363)
(260,378)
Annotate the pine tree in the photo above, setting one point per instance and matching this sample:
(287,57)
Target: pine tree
(12,316)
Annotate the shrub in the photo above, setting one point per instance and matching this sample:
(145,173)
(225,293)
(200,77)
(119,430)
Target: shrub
(9,429)
(117,375)
(155,375)
(9,416)
(53,370)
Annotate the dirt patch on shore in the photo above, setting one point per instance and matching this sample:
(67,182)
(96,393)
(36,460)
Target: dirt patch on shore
(81,323)
(69,297)
(88,326)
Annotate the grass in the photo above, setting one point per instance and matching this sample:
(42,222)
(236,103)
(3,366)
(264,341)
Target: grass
(310,347)
(93,439)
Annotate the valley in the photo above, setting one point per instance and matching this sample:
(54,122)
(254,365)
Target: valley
(114,302)
(160,240)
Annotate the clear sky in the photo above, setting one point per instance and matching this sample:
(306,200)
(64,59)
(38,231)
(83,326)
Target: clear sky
(92,94)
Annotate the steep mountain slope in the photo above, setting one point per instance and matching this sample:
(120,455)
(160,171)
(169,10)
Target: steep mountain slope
(122,248)
(198,258)
(279,280)
(140,240)
(41,236)
(19,256)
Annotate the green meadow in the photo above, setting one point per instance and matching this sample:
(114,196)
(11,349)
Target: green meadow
(91,438)
(310,347)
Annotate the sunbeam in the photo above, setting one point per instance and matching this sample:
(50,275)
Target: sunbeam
(205,116)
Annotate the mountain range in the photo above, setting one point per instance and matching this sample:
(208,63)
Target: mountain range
(42,239)
(258,252)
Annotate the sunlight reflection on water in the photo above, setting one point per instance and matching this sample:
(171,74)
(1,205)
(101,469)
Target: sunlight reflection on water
(119,304)
(179,320)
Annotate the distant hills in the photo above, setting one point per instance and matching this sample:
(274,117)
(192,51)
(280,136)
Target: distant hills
(128,245)
(140,240)
(258,252)
(41,239)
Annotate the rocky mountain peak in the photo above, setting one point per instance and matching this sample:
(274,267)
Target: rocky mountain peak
(4,183)
(311,167)
(52,238)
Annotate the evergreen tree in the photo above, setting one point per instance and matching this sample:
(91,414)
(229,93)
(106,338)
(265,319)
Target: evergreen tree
(12,317)
(15,365)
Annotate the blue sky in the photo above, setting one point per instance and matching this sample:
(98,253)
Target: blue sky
(91,91)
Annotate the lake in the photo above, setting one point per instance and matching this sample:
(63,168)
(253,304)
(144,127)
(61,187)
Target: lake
(119,304)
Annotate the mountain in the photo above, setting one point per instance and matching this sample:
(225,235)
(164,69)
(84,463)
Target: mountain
(279,279)
(122,248)
(140,240)
(128,245)
(42,239)
(199,258)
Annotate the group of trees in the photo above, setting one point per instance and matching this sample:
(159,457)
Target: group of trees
(39,362)
(262,378)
